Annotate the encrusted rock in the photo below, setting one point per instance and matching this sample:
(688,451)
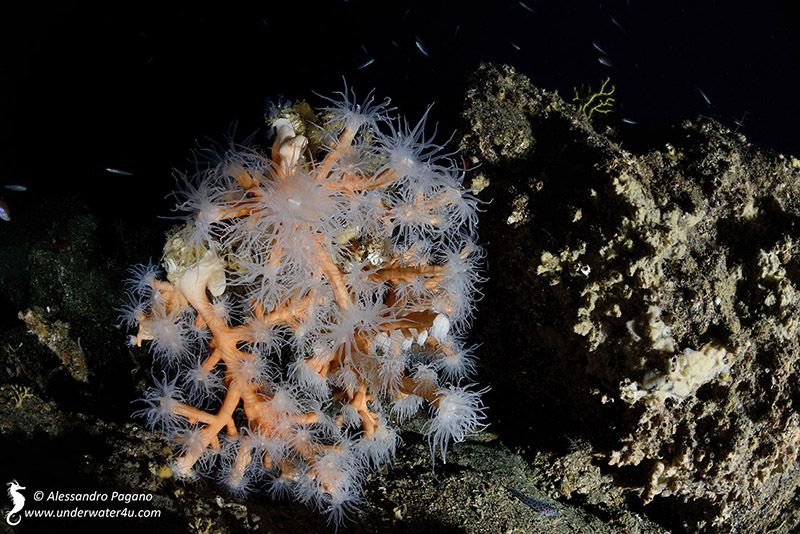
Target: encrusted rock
(647,303)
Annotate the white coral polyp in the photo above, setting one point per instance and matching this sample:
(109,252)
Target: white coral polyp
(310,294)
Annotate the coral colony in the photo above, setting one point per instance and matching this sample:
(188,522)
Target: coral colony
(325,289)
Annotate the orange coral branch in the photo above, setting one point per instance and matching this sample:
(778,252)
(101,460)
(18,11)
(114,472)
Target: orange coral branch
(361,182)
(334,276)
(369,420)
(342,145)
(407,273)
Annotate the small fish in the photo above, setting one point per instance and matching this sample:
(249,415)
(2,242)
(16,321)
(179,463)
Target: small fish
(5,213)
(421,48)
(118,171)
(526,6)
(740,122)
(16,187)
(705,96)
(630,121)
(543,508)
(605,61)
(597,47)
(514,45)
(617,24)
(365,65)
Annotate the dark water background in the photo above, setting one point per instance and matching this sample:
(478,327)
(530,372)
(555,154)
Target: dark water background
(136,88)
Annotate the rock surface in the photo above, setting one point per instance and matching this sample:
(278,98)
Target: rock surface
(647,302)
(639,331)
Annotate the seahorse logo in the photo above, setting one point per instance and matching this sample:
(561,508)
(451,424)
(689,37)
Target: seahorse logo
(19,502)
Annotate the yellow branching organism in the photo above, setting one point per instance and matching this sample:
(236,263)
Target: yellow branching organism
(591,102)
(19,394)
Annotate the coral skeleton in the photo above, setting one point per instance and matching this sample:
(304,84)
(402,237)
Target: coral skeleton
(312,300)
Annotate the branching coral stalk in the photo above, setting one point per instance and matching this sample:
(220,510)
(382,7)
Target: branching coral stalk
(357,269)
